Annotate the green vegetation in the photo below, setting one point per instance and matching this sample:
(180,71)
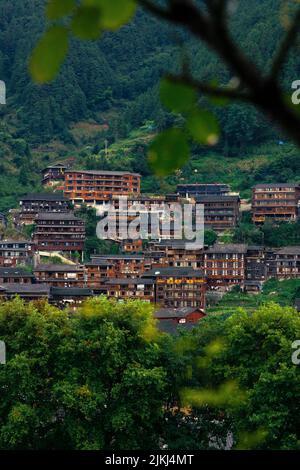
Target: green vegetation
(104,378)
(243,370)
(272,234)
(114,101)
(93,245)
(281,292)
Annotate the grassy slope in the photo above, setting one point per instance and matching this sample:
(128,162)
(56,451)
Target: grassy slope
(281,292)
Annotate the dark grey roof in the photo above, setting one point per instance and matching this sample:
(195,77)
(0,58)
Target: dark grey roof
(56,216)
(116,257)
(71,292)
(218,198)
(58,268)
(175,312)
(227,248)
(277,185)
(129,281)
(104,172)
(181,244)
(43,197)
(256,247)
(288,250)
(297,304)
(202,185)
(173,272)
(98,262)
(29,289)
(15,272)
(11,242)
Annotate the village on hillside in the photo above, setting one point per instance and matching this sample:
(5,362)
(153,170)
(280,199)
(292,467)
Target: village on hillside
(163,271)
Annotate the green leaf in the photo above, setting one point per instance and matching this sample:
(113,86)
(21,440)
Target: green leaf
(177,97)
(203,127)
(168,152)
(85,22)
(49,54)
(57,9)
(114,13)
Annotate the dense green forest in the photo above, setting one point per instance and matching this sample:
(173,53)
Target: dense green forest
(107,94)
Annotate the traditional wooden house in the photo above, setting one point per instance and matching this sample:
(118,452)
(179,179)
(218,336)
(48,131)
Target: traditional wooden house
(175,253)
(131,289)
(16,276)
(178,287)
(15,252)
(69,297)
(54,176)
(287,262)
(224,265)
(61,275)
(221,212)
(33,204)
(59,232)
(202,189)
(97,187)
(278,201)
(27,292)
(180,315)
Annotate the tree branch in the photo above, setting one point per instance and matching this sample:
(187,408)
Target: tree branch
(263,92)
(211,90)
(154,9)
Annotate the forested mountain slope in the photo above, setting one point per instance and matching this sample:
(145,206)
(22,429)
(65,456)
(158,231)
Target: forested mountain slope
(108,89)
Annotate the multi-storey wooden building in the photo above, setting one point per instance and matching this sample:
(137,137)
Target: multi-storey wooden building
(220,212)
(131,289)
(287,262)
(202,189)
(96,187)
(178,287)
(15,276)
(224,265)
(69,297)
(103,267)
(279,201)
(27,292)
(98,272)
(14,252)
(54,176)
(132,246)
(61,275)
(175,253)
(34,204)
(59,232)
(157,216)
(255,268)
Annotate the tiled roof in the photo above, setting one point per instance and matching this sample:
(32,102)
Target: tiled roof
(173,272)
(71,291)
(227,248)
(42,289)
(175,313)
(58,268)
(104,172)
(276,185)
(288,250)
(57,216)
(15,272)
(44,197)
(128,281)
